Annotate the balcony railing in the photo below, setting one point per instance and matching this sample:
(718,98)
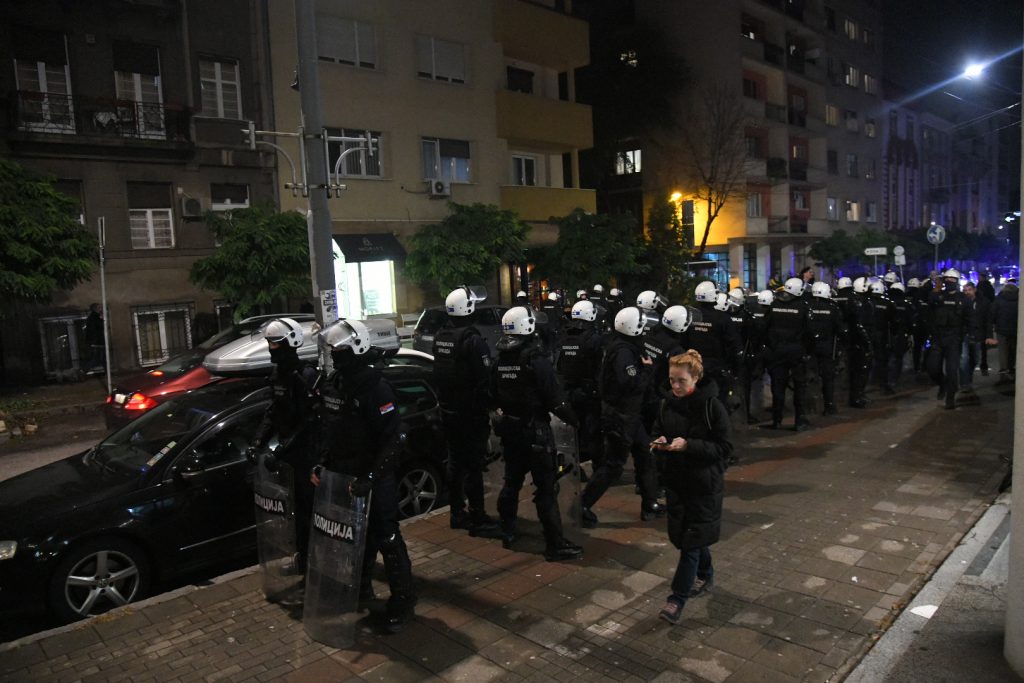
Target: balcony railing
(112,118)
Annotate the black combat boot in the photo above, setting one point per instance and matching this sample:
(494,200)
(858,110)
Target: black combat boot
(561,549)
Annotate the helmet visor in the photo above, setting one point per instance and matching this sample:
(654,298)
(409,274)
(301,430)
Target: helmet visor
(475,293)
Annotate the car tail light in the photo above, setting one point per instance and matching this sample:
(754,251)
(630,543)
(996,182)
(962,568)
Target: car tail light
(157,373)
(140,402)
(110,398)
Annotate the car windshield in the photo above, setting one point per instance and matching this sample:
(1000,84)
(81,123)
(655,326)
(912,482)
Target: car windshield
(431,321)
(142,443)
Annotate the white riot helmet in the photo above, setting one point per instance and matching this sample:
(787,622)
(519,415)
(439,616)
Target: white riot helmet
(737,296)
(898,286)
(553,296)
(706,292)
(463,300)
(351,334)
(794,286)
(765,297)
(581,294)
(844,282)
(676,318)
(890,277)
(878,287)
(952,273)
(520,294)
(722,302)
(914,283)
(649,300)
(584,310)
(630,321)
(284,331)
(615,293)
(597,289)
(519,320)
(860,285)
(821,290)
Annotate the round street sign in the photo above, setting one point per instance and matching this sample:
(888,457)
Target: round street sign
(898,250)
(936,234)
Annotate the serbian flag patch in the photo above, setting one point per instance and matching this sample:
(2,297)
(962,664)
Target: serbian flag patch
(387,408)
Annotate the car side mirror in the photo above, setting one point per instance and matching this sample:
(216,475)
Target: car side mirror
(190,467)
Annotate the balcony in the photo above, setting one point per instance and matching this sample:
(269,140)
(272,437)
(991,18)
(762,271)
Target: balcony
(540,35)
(775,112)
(774,54)
(111,119)
(778,225)
(550,124)
(776,168)
(541,203)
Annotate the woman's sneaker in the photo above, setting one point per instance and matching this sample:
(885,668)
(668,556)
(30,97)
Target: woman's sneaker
(672,612)
(700,587)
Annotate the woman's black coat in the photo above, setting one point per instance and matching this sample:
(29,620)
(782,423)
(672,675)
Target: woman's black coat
(695,477)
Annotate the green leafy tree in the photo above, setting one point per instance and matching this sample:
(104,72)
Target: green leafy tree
(45,248)
(263,257)
(836,250)
(592,248)
(665,253)
(466,247)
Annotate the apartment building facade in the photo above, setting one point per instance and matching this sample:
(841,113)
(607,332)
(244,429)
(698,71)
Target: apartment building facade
(467,102)
(135,110)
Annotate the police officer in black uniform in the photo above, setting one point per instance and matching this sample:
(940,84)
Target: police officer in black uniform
(526,391)
(713,335)
(661,343)
(578,366)
(787,332)
(859,322)
(903,323)
(623,387)
(596,297)
(462,363)
(552,326)
(950,317)
(882,334)
(614,302)
(740,315)
(360,436)
(918,295)
(291,415)
(828,330)
(753,356)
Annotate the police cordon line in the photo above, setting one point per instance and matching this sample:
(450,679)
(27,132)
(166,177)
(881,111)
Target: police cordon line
(596,382)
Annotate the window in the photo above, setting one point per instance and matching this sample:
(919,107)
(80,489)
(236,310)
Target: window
(870,85)
(161,331)
(852,122)
(868,36)
(224,197)
(750,265)
(869,173)
(800,200)
(137,86)
(832,157)
(151,221)
(832,208)
(524,170)
(831,115)
(64,347)
(894,124)
(850,27)
(830,18)
(750,27)
(357,164)
(519,80)
(852,211)
(440,60)
(43,80)
(627,162)
(870,128)
(720,274)
(754,206)
(446,160)
(755,146)
(346,41)
(750,89)
(870,212)
(851,76)
(220,87)
(851,165)
(72,189)
(798,151)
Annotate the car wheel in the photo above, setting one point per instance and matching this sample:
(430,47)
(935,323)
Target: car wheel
(419,489)
(98,576)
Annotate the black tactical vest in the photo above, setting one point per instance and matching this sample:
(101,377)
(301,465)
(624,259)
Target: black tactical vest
(576,362)
(453,377)
(344,427)
(517,392)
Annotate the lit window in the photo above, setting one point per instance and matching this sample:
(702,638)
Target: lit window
(754,209)
(446,160)
(357,164)
(852,76)
(524,170)
(850,26)
(870,129)
(219,84)
(870,85)
(800,200)
(831,115)
(440,60)
(832,206)
(627,162)
(346,41)
(852,211)
(225,197)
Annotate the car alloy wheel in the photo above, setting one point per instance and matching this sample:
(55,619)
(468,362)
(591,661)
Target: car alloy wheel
(98,576)
(419,488)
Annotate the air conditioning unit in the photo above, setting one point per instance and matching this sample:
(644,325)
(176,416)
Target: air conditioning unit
(191,208)
(440,188)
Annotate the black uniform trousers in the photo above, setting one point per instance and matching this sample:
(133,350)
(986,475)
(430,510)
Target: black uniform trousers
(466,432)
(623,435)
(301,456)
(782,368)
(824,359)
(897,351)
(880,345)
(528,447)
(860,366)
(948,358)
(385,537)
(588,410)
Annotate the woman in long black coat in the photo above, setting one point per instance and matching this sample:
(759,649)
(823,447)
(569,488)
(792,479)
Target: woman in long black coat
(693,434)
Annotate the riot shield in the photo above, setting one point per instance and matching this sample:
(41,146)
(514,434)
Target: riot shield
(567,454)
(494,469)
(337,540)
(274,495)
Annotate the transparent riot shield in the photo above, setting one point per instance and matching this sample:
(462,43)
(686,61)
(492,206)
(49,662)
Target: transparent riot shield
(494,470)
(337,540)
(567,454)
(274,495)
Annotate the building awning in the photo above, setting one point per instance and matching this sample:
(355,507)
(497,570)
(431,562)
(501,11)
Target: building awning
(370,247)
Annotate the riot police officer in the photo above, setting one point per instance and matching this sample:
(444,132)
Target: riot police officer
(597,298)
(623,385)
(360,437)
(713,335)
(650,301)
(526,391)
(578,366)
(551,330)
(881,334)
(950,317)
(522,299)
(827,329)
(754,354)
(462,363)
(736,308)
(918,295)
(614,302)
(859,322)
(786,334)
(903,322)
(291,416)
(660,344)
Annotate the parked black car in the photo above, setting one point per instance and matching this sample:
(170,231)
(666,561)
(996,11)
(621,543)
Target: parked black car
(168,494)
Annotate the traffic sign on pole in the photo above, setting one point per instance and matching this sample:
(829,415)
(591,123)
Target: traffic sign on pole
(876,251)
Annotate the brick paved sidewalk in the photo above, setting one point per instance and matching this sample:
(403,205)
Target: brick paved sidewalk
(827,534)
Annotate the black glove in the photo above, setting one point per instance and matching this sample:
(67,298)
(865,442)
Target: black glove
(271,463)
(360,488)
(565,413)
(250,453)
